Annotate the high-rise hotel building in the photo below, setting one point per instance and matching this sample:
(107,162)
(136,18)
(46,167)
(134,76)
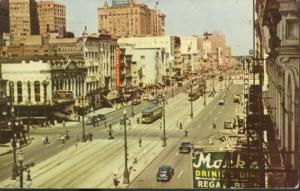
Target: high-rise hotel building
(125,18)
(51,16)
(23,18)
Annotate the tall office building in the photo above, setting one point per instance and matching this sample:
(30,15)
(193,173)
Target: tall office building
(23,18)
(130,19)
(51,17)
(4,17)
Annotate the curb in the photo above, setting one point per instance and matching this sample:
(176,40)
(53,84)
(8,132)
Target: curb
(133,180)
(9,150)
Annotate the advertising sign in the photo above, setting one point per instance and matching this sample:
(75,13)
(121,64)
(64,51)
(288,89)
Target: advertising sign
(224,169)
(246,66)
(117,63)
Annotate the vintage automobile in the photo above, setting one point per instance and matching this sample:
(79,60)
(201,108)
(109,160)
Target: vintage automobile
(221,102)
(185,147)
(164,173)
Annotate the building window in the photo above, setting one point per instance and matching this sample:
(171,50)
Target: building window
(292,29)
(29,91)
(37,91)
(19,91)
(11,91)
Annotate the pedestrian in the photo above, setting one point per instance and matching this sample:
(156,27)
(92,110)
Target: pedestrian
(63,139)
(140,142)
(47,141)
(180,125)
(137,120)
(214,125)
(186,132)
(160,125)
(210,140)
(44,140)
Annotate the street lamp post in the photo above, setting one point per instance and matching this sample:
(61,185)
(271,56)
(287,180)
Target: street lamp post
(83,112)
(172,88)
(132,112)
(204,101)
(126,172)
(192,100)
(14,145)
(20,159)
(156,98)
(12,124)
(164,124)
(21,170)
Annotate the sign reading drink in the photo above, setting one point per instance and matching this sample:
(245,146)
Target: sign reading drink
(224,169)
(117,63)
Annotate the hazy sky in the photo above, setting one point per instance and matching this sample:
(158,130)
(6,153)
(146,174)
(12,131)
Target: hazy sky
(183,17)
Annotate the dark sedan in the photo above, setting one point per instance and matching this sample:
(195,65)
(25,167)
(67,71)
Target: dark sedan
(185,147)
(165,173)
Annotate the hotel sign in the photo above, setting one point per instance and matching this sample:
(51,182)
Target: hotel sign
(224,169)
(246,67)
(117,63)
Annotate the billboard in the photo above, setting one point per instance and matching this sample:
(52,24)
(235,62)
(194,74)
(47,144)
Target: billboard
(117,63)
(214,168)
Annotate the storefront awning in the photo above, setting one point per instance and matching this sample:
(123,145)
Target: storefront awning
(59,114)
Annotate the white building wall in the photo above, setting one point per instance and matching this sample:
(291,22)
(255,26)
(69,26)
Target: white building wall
(146,61)
(27,71)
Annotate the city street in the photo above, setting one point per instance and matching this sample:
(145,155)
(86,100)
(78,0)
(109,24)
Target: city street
(103,157)
(199,132)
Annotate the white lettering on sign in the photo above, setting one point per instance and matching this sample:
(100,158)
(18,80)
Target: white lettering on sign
(205,160)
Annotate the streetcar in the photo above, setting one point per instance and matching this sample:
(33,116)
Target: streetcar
(151,113)
(195,94)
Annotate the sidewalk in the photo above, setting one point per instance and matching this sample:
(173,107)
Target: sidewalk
(7,148)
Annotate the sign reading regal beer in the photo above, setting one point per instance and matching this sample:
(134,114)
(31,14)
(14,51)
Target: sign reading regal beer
(214,168)
(117,63)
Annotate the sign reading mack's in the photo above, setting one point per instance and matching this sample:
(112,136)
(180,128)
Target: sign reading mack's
(220,169)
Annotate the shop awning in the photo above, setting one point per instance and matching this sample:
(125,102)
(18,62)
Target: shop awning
(111,97)
(59,114)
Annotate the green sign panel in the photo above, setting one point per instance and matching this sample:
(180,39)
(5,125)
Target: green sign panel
(224,169)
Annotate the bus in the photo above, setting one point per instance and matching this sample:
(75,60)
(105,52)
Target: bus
(151,113)
(60,96)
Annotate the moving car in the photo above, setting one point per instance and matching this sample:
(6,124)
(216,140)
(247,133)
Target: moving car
(236,99)
(164,173)
(185,147)
(221,102)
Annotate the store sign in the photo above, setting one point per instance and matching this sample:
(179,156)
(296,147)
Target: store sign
(117,63)
(246,66)
(225,169)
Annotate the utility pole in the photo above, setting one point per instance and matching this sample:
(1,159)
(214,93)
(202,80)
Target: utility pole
(83,112)
(164,124)
(126,172)
(192,99)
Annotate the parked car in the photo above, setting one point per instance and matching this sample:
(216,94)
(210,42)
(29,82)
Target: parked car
(94,118)
(221,102)
(164,173)
(228,125)
(185,147)
(136,101)
(146,97)
(236,99)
